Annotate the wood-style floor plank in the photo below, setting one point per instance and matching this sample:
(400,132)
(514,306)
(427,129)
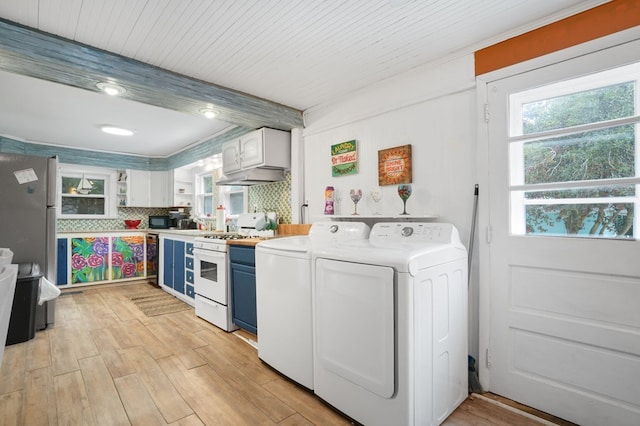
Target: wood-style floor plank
(39,406)
(72,402)
(170,403)
(137,401)
(14,367)
(101,391)
(246,386)
(105,362)
(214,400)
(38,352)
(10,408)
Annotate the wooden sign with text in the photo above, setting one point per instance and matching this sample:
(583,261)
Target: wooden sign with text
(394,165)
(344,159)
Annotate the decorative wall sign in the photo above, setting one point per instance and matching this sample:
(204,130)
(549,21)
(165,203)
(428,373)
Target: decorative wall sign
(394,165)
(344,159)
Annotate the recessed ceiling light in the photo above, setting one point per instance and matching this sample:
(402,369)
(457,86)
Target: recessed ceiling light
(208,112)
(112,130)
(111,88)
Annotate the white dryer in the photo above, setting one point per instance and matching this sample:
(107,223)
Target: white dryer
(390,324)
(283,296)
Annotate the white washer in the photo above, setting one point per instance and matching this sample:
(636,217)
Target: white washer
(283,296)
(390,324)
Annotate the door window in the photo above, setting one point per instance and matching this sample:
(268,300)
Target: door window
(574,151)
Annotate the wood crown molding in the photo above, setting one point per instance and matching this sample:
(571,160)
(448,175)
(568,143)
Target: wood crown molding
(608,18)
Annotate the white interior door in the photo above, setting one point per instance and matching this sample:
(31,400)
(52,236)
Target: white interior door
(564,310)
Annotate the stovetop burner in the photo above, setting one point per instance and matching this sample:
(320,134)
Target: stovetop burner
(226,237)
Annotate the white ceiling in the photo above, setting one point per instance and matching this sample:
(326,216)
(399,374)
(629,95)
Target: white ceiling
(299,53)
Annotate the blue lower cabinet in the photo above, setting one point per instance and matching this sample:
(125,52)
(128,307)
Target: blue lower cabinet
(178,266)
(175,263)
(63,261)
(190,277)
(167,256)
(243,287)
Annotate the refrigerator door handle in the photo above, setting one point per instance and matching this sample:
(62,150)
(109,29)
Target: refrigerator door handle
(52,181)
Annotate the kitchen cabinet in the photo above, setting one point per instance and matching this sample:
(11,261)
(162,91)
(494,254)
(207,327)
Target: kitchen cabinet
(100,258)
(147,188)
(142,188)
(243,287)
(268,148)
(176,268)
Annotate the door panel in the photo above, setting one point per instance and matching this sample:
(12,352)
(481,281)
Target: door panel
(564,322)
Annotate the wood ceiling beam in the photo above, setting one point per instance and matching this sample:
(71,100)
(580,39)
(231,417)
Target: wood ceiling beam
(37,54)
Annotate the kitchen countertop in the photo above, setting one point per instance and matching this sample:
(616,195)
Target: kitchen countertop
(192,232)
(247,241)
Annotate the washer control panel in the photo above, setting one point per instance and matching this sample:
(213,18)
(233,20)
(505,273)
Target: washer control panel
(413,232)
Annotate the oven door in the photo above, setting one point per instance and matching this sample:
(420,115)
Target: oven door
(211,275)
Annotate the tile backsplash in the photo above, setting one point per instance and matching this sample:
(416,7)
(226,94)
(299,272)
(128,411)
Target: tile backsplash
(83,225)
(272,197)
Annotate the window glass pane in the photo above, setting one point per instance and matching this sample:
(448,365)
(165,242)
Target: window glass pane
(207,207)
(207,184)
(591,106)
(600,154)
(82,205)
(95,186)
(589,192)
(235,203)
(603,211)
(607,220)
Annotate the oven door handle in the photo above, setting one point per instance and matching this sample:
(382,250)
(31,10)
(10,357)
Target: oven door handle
(210,254)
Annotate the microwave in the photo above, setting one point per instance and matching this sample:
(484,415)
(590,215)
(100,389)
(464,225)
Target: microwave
(160,222)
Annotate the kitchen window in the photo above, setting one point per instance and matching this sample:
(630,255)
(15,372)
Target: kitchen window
(86,193)
(206,195)
(233,198)
(574,156)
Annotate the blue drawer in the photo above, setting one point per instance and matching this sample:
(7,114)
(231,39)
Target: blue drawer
(245,255)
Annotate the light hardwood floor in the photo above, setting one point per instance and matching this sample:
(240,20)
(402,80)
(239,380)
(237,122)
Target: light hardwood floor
(105,363)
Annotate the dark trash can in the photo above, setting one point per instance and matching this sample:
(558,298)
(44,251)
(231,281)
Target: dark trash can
(22,324)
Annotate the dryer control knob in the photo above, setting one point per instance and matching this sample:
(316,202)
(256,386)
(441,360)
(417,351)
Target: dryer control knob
(333,229)
(407,231)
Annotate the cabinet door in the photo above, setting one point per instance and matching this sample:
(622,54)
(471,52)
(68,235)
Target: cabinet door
(178,266)
(159,189)
(138,188)
(251,149)
(62,275)
(231,156)
(243,294)
(167,258)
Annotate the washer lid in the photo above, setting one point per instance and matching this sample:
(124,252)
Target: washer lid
(294,243)
(405,246)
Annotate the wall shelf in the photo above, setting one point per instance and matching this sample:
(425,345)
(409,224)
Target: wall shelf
(377,218)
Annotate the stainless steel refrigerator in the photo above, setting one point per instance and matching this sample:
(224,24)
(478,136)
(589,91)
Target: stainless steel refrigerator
(28,217)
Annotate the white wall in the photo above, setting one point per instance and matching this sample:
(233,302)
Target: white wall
(433,109)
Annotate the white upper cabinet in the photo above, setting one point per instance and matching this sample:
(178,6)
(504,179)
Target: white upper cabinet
(138,190)
(266,148)
(147,189)
(159,189)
